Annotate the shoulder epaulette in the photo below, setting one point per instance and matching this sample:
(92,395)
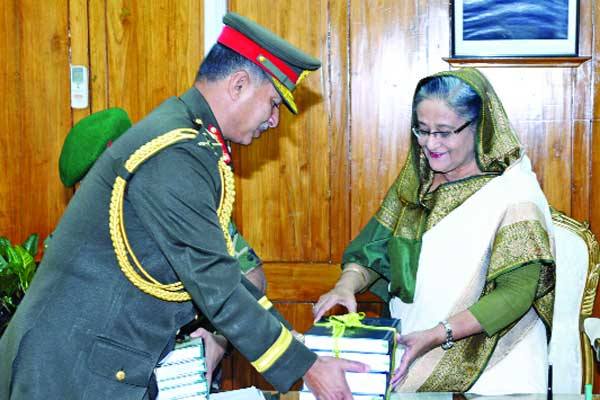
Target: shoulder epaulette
(125,256)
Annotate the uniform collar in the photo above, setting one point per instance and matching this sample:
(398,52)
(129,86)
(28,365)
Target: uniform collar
(203,117)
(199,109)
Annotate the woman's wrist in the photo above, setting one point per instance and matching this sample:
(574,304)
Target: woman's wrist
(343,289)
(437,335)
(354,278)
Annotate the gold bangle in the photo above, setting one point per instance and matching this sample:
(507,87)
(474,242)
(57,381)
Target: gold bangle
(363,272)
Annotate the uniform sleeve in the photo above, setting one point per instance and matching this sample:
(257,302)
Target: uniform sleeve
(245,254)
(512,297)
(176,194)
(265,302)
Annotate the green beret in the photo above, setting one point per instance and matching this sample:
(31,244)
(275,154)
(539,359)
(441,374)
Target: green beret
(285,64)
(87,140)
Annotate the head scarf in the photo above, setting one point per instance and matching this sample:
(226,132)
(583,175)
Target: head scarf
(403,209)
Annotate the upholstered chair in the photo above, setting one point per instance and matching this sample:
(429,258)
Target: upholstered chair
(577,268)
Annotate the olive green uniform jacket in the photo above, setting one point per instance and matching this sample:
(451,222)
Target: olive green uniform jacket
(84,331)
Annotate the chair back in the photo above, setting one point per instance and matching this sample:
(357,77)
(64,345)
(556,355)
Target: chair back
(577,257)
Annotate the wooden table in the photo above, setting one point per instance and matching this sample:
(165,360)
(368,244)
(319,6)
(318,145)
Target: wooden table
(460,396)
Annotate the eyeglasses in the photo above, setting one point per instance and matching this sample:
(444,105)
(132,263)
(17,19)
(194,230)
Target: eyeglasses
(420,134)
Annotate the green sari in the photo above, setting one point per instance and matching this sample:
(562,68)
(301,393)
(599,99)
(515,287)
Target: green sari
(391,242)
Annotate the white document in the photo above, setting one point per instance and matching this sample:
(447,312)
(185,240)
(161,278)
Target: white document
(250,393)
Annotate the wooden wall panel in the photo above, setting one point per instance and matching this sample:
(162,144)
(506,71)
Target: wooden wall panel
(316,279)
(390,51)
(79,33)
(581,168)
(582,113)
(10,122)
(386,63)
(153,50)
(337,85)
(98,55)
(542,119)
(34,77)
(595,45)
(284,183)
(583,79)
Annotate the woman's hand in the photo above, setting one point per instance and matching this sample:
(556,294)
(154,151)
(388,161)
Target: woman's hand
(415,345)
(214,350)
(354,278)
(338,295)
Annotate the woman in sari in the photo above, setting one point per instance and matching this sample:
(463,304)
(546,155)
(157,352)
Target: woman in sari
(461,249)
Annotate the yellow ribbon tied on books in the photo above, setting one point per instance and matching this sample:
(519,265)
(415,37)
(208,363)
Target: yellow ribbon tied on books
(339,323)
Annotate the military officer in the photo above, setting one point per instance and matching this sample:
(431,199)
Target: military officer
(84,143)
(145,242)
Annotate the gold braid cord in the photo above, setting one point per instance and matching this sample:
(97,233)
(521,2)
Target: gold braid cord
(174,292)
(226,204)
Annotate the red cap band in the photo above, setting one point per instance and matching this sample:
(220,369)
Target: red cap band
(243,45)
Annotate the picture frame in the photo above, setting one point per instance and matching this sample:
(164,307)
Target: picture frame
(514,28)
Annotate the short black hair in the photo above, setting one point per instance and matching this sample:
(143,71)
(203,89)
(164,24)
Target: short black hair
(221,61)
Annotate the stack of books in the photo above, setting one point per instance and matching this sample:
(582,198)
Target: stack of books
(181,375)
(372,347)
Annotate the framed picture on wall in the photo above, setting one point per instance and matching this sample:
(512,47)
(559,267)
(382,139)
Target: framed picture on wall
(514,28)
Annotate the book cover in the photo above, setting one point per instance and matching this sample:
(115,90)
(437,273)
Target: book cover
(197,391)
(182,373)
(188,350)
(359,340)
(181,382)
(365,383)
(176,370)
(376,362)
(249,393)
(310,396)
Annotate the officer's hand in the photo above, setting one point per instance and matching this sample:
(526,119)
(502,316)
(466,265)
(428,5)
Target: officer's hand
(338,295)
(326,380)
(214,350)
